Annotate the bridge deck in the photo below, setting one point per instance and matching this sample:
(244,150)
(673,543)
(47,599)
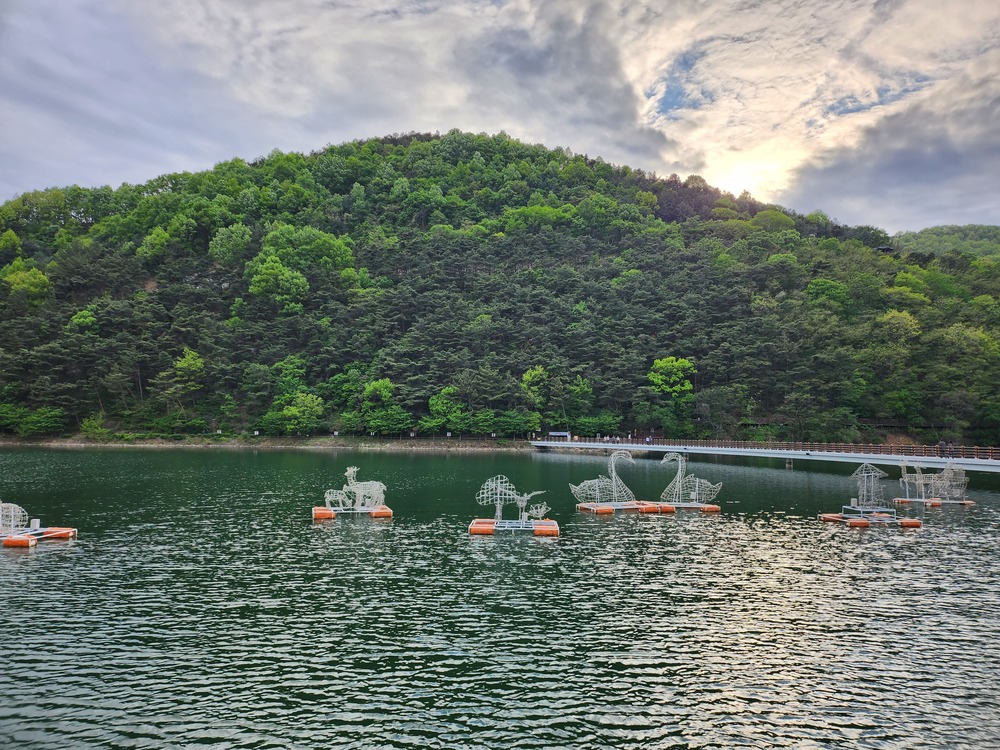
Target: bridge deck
(967,458)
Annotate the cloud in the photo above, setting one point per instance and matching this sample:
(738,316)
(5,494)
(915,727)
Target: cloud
(560,77)
(543,71)
(933,162)
(772,97)
(83,103)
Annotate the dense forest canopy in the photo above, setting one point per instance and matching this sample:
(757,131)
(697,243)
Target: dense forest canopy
(476,284)
(972,238)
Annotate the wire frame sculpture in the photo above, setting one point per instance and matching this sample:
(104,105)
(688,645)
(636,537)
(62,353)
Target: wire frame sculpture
(870,490)
(950,483)
(687,487)
(918,481)
(355,494)
(606,489)
(12,518)
(499,491)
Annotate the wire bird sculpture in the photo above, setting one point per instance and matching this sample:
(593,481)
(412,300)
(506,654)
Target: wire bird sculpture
(870,491)
(355,494)
(606,489)
(500,491)
(685,487)
(12,518)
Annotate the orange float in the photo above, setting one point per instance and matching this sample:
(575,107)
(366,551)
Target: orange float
(20,540)
(482,527)
(17,531)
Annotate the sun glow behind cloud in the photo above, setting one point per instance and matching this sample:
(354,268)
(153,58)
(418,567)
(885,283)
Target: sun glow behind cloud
(776,98)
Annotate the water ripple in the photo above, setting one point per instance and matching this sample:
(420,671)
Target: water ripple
(201,608)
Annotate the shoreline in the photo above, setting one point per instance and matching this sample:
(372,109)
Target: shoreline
(388,445)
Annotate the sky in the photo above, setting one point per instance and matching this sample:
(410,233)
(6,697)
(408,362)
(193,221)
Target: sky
(876,112)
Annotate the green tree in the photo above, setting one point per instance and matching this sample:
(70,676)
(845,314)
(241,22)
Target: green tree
(772,220)
(304,415)
(154,245)
(446,413)
(669,375)
(11,416)
(513,422)
(10,247)
(304,248)
(185,376)
(93,428)
(229,244)
(45,420)
(23,279)
(274,280)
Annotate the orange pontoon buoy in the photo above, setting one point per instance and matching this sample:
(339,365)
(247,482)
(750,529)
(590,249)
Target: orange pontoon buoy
(321,513)
(59,532)
(19,540)
(482,527)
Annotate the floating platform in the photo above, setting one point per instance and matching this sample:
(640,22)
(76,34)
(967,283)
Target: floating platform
(492,526)
(644,506)
(859,518)
(31,536)
(322,513)
(930,502)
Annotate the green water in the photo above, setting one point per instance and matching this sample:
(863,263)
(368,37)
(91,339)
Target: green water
(201,607)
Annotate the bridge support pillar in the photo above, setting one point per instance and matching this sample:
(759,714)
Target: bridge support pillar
(788,463)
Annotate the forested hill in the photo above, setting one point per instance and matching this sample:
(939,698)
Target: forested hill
(477,284)
(970,238)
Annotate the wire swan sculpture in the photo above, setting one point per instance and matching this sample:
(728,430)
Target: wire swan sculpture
(687,487)
(610,489)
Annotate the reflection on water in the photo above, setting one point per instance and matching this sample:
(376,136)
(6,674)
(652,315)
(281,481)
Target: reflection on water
(201,607)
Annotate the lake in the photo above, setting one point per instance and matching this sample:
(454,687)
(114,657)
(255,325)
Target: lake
(201,607)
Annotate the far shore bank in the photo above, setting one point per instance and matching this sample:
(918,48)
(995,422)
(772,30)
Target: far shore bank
(387,445)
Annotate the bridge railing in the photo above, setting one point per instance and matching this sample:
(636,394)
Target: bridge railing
(916,451)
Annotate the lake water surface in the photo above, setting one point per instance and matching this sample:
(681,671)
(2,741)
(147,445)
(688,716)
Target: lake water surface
(201,607)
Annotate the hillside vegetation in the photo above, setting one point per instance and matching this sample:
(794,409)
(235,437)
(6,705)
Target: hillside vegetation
(476,284)
(971,238)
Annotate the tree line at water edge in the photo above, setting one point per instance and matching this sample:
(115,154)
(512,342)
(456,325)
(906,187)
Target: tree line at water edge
(475,284)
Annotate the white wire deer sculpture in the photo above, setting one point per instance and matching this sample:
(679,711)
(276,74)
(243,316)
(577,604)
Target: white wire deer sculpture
(356,494)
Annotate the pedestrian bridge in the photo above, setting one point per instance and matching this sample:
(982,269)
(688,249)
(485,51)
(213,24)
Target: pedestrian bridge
(969,458)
